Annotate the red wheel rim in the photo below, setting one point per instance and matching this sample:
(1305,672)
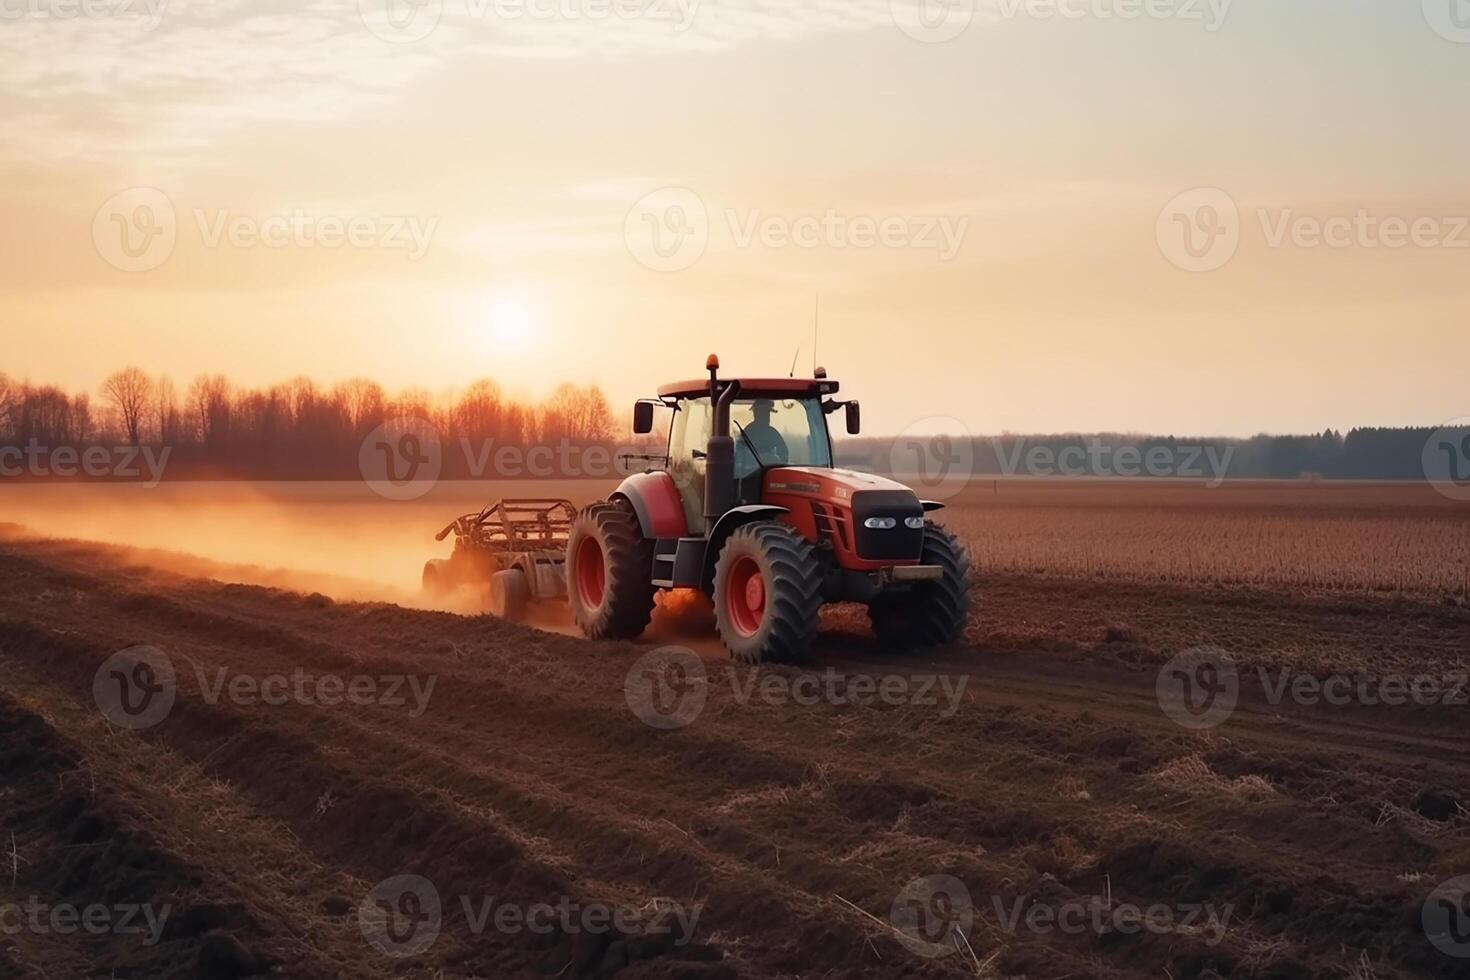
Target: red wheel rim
(745,596)
(590,572)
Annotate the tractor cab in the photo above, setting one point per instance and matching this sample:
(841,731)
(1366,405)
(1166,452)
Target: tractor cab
(773,422)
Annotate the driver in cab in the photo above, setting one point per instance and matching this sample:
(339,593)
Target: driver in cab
(763,438)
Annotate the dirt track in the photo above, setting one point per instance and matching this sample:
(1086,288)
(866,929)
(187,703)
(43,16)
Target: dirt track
(789,828)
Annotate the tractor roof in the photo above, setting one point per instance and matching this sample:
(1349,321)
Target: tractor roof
(755,388)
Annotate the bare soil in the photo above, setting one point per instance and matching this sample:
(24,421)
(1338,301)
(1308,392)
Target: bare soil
(790,827)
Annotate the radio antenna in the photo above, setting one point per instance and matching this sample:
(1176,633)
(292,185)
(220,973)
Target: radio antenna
(816,327)
(794,358)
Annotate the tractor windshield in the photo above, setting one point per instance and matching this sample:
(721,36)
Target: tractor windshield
(783,432)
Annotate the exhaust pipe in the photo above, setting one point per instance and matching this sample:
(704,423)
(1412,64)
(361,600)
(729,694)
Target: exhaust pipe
(719,463)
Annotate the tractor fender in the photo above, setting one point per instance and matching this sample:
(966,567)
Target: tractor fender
(734,518)
(656,501)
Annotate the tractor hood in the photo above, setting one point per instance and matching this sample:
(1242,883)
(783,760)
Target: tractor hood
(881,520)
(834,485)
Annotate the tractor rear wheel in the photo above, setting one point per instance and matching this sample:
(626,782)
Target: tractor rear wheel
(768,593)
(931,613)
(610,572)
(510,595)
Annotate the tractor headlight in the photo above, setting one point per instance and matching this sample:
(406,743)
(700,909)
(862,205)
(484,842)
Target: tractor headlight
(915,523)
(881,523)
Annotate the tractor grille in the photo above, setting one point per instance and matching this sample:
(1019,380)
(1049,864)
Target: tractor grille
(898,543)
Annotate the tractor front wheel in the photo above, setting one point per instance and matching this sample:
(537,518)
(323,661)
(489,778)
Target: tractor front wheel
(768,593)
(931,613)
(610,572)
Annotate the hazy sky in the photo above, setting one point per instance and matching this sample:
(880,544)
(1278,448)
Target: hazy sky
(1001,208)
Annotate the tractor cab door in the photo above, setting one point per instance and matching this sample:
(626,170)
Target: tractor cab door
(688,440)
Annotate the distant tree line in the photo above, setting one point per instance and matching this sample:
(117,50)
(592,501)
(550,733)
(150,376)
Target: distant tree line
(1361,454)
(301,430)
(215,429)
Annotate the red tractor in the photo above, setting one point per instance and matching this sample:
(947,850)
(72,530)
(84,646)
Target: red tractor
(749,509)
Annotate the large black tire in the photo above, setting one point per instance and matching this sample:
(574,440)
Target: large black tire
(775,565)
(610,572)
(929,614)
(510,595)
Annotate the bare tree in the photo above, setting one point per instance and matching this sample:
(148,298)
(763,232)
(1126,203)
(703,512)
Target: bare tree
(165,410)
(129,390)
(7,406)
(209,404)
(578,414)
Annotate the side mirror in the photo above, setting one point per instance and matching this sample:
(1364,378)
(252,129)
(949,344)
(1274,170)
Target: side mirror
(854,418)
(642,418)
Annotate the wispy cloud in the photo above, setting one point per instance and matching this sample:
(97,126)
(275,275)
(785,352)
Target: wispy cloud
(153,81)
